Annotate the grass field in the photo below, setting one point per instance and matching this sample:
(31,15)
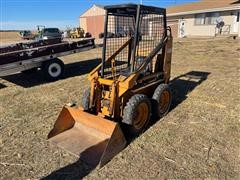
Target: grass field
(199,138)
(9,38)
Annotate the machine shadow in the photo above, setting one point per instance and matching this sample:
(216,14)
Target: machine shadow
(77,171)
(80,169)
(236,2)
(37,78)
(181,86)
(2,86)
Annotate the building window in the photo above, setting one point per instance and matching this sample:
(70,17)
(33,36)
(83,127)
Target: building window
(213,17)
(200,19)
(207,18)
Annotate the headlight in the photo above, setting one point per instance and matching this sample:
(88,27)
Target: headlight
(45,37)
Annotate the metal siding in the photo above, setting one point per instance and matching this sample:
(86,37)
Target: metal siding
(95,25)
(83,23)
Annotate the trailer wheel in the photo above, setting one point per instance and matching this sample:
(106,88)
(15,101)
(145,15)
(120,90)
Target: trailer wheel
(137,114)
(162,99)
(53,69)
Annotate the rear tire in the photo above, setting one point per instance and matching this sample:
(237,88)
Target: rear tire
(137,114)
(53,69)
(162,99)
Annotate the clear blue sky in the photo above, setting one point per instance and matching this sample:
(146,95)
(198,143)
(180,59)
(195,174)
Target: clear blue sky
(26,14)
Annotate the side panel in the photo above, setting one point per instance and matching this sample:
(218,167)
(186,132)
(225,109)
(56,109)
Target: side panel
(168,59)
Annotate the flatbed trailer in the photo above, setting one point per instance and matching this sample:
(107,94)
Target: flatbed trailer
(29,57)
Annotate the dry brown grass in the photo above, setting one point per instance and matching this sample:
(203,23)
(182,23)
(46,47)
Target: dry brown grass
(9,37)
(199,138)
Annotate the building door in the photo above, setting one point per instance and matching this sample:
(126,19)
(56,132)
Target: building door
(182,29)
(235,28)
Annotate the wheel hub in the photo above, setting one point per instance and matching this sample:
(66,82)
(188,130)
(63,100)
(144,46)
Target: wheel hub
(54,70)
(164,101)
(142,116)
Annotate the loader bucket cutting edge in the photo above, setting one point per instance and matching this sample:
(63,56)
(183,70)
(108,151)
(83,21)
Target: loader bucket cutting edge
(94,139)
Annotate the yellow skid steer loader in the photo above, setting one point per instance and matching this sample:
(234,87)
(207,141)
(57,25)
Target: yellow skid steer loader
(127,88)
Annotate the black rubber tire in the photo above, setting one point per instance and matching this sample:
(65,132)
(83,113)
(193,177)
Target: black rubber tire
(156,101)
(85,99)
(30,71)
(48,68)
(130,113)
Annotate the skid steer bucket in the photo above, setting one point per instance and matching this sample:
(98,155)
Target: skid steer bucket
(94,139)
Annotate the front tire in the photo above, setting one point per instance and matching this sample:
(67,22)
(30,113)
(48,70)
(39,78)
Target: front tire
(86,100)
(53,69)
(137,114)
